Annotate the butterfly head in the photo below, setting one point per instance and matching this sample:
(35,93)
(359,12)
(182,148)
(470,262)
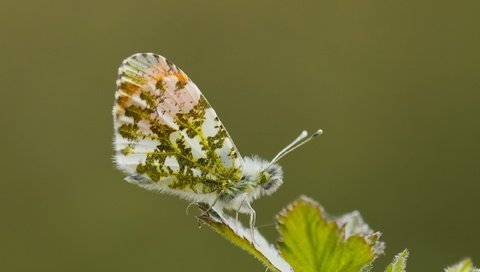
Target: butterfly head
(270,178)
(264,177)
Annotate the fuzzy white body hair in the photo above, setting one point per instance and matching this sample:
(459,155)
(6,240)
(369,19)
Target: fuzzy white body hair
(259,177)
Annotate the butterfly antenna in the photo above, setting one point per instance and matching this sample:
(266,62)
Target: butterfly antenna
(300,140)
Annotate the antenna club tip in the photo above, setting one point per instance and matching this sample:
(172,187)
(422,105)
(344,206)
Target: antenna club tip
(318,132)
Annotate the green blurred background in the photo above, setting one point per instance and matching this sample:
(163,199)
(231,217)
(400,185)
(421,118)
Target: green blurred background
(394,84)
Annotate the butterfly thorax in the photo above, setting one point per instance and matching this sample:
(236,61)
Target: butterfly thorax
(259,177)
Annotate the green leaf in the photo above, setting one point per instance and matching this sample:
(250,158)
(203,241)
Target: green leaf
(367,268)
(310,242)
(399,264)
(240,236)
(463,266)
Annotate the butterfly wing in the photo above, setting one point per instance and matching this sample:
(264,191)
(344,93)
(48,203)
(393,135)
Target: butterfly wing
(167,136)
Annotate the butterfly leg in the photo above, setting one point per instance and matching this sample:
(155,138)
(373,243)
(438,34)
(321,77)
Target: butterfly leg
(253,219)
(211,206)
(205,212)
(238,211)
(189,205)
(236,221)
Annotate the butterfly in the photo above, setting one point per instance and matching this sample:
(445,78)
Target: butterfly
(168,138)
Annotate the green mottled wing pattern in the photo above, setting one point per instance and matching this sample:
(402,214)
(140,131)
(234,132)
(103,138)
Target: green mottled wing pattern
(167,136)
